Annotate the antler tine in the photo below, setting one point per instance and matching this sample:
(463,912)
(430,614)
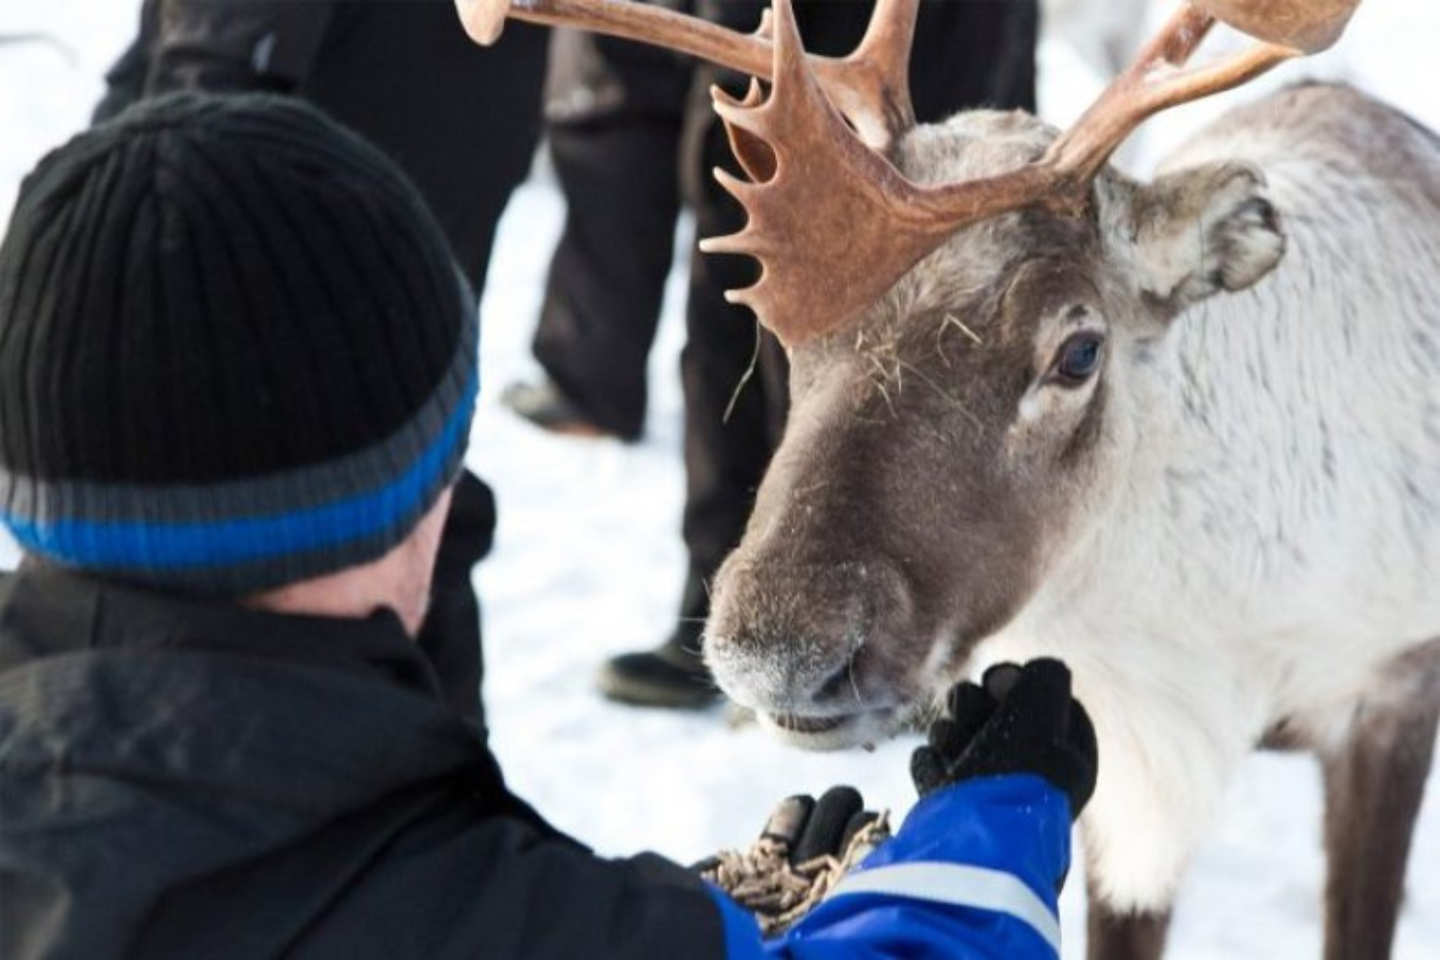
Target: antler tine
(832,223)
(1156,81)
(1307,25)
(877,75)
(870,87)
(747,53)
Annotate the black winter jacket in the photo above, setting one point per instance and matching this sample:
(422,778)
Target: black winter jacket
(219,47)
(259,785)
(462,121)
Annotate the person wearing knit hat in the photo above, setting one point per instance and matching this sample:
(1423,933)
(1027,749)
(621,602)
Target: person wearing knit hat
(234,352)
(404,77)
(237,373)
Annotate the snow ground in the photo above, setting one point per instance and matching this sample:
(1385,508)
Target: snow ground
(588,561)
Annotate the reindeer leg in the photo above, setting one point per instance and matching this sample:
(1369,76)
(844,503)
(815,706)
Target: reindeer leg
(1374,782)
(1112,935)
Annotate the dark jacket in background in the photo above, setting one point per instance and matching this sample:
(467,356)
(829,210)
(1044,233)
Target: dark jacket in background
(461,120)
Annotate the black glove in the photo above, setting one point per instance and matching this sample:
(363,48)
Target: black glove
(806,828)
(811,828)
(1018,720)
(804,850)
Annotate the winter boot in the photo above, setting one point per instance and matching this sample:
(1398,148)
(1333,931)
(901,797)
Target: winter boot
(544,405)
(672,675)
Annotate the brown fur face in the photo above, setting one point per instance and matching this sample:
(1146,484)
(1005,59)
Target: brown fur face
(941,449)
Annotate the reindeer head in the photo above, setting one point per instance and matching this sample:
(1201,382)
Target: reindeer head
(946,448)
(962,305)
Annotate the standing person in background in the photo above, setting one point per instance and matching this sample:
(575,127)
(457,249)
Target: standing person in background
(967,53)
(614,111)
(461,121)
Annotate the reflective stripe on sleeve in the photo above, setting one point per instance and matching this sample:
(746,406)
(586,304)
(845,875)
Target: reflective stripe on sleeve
(959,885)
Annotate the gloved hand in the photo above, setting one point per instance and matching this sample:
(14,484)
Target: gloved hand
(1017,720)
(810,828)
(804,849)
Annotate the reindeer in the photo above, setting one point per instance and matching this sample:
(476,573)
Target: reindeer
(1184,434)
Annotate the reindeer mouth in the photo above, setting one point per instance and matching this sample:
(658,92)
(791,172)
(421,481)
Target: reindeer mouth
(795,723)
(832,732)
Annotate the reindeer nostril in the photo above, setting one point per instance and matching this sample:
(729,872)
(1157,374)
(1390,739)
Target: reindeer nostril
(840,685)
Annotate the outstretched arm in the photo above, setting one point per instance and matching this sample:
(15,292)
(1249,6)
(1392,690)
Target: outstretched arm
(977,868)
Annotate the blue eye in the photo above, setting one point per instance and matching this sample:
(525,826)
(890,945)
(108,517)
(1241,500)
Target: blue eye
(1079,359)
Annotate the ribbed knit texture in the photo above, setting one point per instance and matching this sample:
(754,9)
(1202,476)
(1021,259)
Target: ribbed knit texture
(234,349)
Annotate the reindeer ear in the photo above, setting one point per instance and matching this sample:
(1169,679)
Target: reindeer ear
(1203,230)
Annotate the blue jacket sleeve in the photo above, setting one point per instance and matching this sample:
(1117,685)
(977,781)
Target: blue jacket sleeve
(974,872)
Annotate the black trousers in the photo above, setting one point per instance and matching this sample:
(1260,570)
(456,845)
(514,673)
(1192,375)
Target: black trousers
(462,121)
(625,125)
(613,117)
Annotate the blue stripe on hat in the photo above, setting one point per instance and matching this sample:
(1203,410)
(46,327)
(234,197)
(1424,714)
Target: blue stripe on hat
(201,545)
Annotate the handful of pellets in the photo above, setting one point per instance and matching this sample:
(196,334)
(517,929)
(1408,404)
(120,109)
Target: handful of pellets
(805,849)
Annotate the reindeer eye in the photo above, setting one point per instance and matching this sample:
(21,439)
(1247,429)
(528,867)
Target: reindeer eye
(1079,358)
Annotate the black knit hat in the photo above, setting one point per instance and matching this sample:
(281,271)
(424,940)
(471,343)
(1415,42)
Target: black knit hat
(234,350)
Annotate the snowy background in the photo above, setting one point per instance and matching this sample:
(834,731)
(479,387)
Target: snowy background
(589,563)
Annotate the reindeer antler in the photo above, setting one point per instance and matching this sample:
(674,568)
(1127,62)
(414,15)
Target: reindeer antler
(870,87)
(833,223)
(1308,25)
(804,160)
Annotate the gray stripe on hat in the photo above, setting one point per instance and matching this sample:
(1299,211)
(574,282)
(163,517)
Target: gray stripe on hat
(255,576)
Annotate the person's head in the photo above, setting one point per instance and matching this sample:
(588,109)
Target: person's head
(236,360)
